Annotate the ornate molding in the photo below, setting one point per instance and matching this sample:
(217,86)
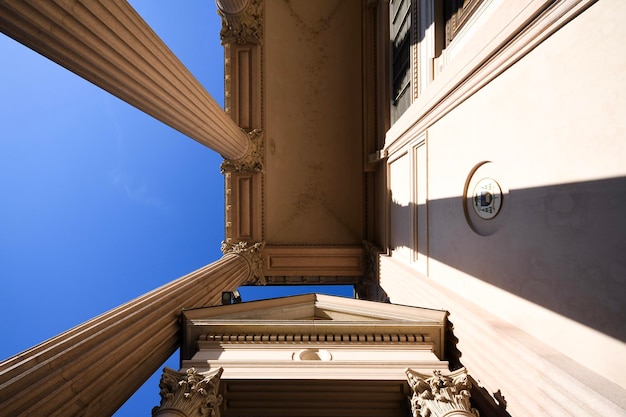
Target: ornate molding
(245,26)
(368,287)
(252,160)
(348,338)
(252,255)
(192,393)
(440,395)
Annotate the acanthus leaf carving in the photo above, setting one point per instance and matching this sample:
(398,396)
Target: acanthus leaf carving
(193,393)
(252,255)
(243,27)
(252,161)
(439,395)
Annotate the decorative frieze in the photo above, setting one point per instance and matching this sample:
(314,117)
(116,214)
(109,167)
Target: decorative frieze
(252,161)
(241,24)
(190,393)
(252,255)
(440,395)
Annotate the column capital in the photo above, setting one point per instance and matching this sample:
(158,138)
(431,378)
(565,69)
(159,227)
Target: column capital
(252,254)
(252,161)
(242,21)
(189,394)
(441,395)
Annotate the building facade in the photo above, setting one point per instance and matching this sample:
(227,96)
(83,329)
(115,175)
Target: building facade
(464,156)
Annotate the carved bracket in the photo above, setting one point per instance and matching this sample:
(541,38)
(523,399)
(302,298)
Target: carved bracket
(245,26)
(252,255)
(192,393)
(368,287)
(252,161)
(439,395)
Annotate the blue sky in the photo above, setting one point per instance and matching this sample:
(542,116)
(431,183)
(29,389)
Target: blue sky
(101,203)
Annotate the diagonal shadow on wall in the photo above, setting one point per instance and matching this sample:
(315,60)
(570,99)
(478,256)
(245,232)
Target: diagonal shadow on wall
(562,247)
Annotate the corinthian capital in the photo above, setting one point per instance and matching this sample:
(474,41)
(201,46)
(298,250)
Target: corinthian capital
(252,255)
(242,21)
(191,393)
(252,161)
(439,395)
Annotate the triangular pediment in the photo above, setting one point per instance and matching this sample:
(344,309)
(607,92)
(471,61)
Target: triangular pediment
(311,317)
(315,307)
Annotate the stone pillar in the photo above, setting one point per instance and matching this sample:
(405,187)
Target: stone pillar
(108,43)
(189,394)
(93,368)
(440,395)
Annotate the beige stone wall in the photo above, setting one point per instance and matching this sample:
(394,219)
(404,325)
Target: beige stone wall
(522,373)
(553,126)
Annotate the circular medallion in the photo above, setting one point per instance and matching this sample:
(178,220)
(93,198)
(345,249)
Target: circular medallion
(484,205)
(487,198)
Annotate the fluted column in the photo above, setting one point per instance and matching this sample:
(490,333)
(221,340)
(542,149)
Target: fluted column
(109,44)
(93,368)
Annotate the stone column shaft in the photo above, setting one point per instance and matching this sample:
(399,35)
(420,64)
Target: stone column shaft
(93,368)
(108,43)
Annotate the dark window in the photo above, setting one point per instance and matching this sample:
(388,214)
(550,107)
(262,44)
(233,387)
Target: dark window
(400,35)
(457,13)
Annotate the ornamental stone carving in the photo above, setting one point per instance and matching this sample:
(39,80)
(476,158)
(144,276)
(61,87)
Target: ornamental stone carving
(252,255)
(252,161)
(368,287)
(440,395)
(241,24)
(189,394)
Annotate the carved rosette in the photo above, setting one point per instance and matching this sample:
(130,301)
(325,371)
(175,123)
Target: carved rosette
(252,255)
(243,26)
(191,393)
(252,161)
(440,395)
